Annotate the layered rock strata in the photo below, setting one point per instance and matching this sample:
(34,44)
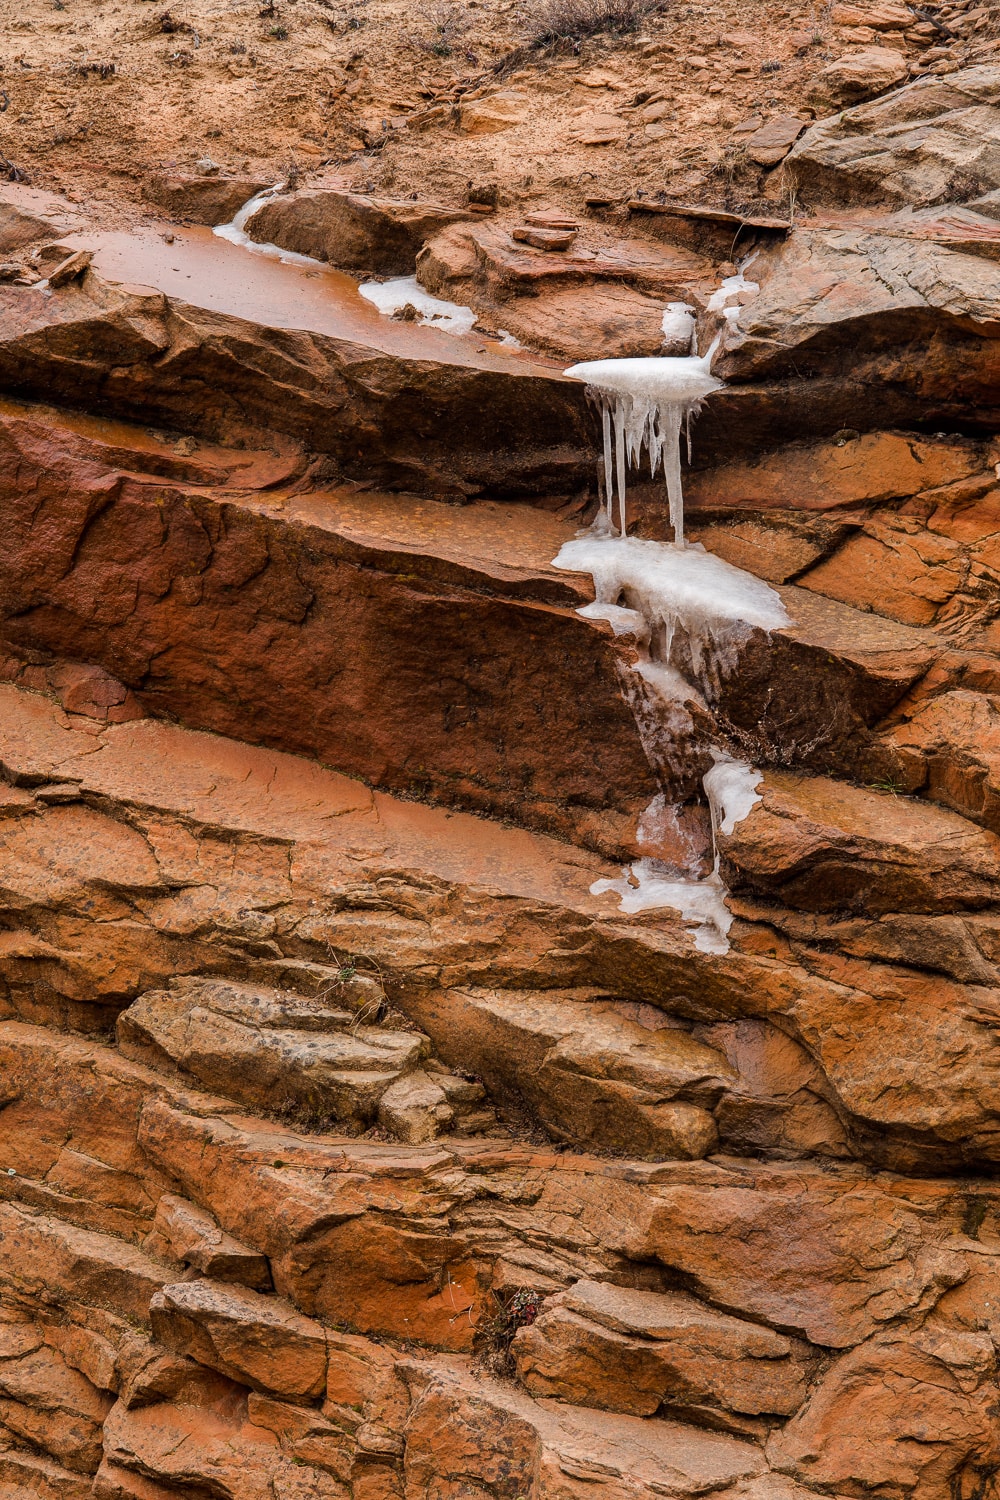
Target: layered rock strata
(351,1143)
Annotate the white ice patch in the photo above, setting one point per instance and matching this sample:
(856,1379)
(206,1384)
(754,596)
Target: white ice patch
(732,288)
(390,297)
(675,588)
(236,234)
(679,329)
(731,788)
(647,886)
(646,402)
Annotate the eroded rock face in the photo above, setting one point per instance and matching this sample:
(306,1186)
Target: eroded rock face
(929,143)
(195,371)
(321,1108)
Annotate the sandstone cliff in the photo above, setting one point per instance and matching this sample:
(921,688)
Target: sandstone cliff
(355,1144)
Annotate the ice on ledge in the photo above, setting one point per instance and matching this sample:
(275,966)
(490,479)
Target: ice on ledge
(390,297)
(235,233)
(673,588)
(645,403)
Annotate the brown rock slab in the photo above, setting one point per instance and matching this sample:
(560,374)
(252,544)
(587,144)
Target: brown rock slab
(773,141)
(65,1263)
(219,376)
(914,147)
(928,1422)
(870,468)
(590,1075)
(20,227)
(796,1250)
(259,1341)
(950,747)
(493,114)
(643,1352)
(818,844)
(31,1476)
(392,636)
(69,269)
(205,200)
(378,235)
(543,238)
(271,1048)
(190,1234)
(860,75)
(496,1436)
(824,285)
(877,17)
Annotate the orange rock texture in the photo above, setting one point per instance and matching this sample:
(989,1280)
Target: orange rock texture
(355,1143)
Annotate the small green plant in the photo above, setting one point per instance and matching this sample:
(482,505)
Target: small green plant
(279,32)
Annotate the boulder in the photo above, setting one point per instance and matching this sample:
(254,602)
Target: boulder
(381,236)
(934,141)
(259,1341)
(203,200)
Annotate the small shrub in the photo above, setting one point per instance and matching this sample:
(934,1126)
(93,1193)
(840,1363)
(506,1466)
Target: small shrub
(574,20)
(491,1344)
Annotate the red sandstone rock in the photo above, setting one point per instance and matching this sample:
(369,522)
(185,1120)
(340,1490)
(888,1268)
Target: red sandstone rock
(205,200)
(815,843)
(244,1335)
(911,147)
(379,235)
(642,1352)
(188,1233)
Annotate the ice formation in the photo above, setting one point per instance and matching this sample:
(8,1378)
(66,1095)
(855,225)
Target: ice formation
(390,297)
(731,786)
(725,299)
(644,404)
(679,329)
(680,604)
(687,610)
(235,233)
(671,590)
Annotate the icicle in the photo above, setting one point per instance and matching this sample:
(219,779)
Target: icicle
(620,461)
(645,402)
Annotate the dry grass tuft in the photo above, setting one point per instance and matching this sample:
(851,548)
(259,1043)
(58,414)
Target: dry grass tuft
(573,20)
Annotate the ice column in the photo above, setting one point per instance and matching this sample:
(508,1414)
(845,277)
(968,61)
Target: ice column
(645,403)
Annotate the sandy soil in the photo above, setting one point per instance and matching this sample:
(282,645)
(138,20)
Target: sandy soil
(97,98)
